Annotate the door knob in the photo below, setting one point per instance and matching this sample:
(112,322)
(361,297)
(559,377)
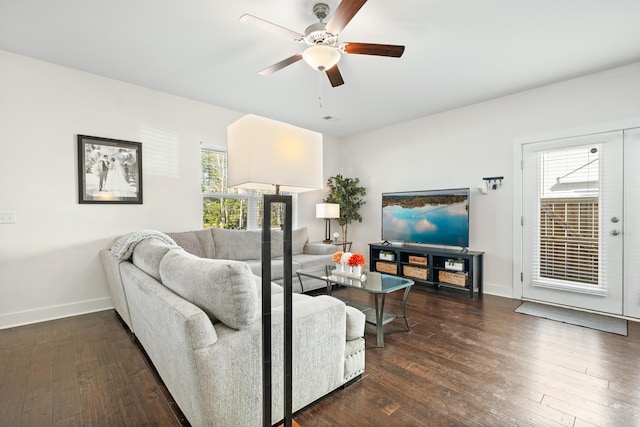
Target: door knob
(615,219)
(615,232)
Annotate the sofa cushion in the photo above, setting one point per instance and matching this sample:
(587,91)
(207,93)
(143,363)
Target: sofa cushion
(277,268)
(355,323)
(309,261)
(147,256)
(320,248)
(205,237)
(299,238)
(277,243)
(223,289)
(237,244)
(275,288)
(189,241)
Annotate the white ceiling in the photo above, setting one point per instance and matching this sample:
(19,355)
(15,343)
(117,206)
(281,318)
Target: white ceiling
(458,52)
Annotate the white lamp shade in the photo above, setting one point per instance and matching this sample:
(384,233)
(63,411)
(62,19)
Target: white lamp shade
(327,210)
(321,57)
(263,153)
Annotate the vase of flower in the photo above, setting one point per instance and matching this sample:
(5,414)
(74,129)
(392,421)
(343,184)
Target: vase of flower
(337,259)
(356,261)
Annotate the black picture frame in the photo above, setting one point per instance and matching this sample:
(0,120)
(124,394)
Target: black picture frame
(109,170)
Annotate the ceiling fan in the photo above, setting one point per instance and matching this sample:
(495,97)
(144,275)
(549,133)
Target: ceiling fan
(323,51)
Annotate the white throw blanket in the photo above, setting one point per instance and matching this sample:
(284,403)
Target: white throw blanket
(123,247)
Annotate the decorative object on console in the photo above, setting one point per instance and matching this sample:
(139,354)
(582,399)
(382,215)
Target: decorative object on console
(109,170)
(267,154)
(336,235)
(387,256)
(454,264)
(327,211)
(348,194)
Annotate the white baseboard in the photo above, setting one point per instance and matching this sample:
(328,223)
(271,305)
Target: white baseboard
(499,291)
(44,314)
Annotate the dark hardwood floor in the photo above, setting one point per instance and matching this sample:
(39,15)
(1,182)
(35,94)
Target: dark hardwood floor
(466,363)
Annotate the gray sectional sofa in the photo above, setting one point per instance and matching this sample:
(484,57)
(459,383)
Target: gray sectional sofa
(245,245)
(198,319)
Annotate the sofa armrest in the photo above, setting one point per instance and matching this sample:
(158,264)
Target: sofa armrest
(319,249)
(171,330)
(111,267)
(355,323)
(318,366)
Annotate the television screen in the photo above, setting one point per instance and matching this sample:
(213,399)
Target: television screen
(436,217)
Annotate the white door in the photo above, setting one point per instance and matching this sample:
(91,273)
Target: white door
(632,223)
(572,222)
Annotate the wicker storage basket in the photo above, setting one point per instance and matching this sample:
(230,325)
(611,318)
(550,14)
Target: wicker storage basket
(414,259)
(458,279)
(415,272)
(386,267)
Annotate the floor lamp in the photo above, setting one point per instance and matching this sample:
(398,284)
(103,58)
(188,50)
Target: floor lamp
(264,154)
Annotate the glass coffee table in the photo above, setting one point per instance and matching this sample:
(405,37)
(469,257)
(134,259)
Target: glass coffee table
(375,283)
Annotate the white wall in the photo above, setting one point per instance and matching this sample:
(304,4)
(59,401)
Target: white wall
(459,147)
(49,265)
(307,201)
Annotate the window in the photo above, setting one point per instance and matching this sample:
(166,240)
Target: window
(231,208)
(569,214)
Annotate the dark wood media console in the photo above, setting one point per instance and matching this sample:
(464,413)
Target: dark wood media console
(452,268)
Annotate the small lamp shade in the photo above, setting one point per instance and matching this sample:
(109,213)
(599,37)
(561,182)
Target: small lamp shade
(327,210)
(265,153)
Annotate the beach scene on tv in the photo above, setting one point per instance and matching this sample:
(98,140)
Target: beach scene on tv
(433,217)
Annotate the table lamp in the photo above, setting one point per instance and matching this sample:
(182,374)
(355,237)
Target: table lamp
(265,154)
(327,211)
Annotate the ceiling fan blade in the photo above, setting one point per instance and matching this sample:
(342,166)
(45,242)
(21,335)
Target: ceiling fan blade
(373,49)
(346,10)
(280,65)
(266,25)
(334,76)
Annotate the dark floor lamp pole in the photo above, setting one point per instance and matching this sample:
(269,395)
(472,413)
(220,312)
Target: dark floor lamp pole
(266,308)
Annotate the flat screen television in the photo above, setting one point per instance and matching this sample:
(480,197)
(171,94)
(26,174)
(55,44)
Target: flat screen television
(433,217)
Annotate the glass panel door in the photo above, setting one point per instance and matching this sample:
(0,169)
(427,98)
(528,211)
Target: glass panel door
(572,208)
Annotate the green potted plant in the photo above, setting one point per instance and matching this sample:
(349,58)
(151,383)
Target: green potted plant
(348,194)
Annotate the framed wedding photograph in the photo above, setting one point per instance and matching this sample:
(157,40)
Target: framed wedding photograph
(109,170)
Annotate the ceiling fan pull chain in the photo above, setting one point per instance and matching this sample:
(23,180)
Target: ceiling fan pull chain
(320,88)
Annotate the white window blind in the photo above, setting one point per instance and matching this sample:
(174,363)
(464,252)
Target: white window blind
(569,206)
(567,249)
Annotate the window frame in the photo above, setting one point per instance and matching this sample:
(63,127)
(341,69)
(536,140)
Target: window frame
(253,197)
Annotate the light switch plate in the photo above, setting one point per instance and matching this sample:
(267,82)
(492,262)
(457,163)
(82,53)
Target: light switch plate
(7,217)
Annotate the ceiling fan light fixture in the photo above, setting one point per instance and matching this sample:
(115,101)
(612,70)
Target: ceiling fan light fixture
(321,57)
